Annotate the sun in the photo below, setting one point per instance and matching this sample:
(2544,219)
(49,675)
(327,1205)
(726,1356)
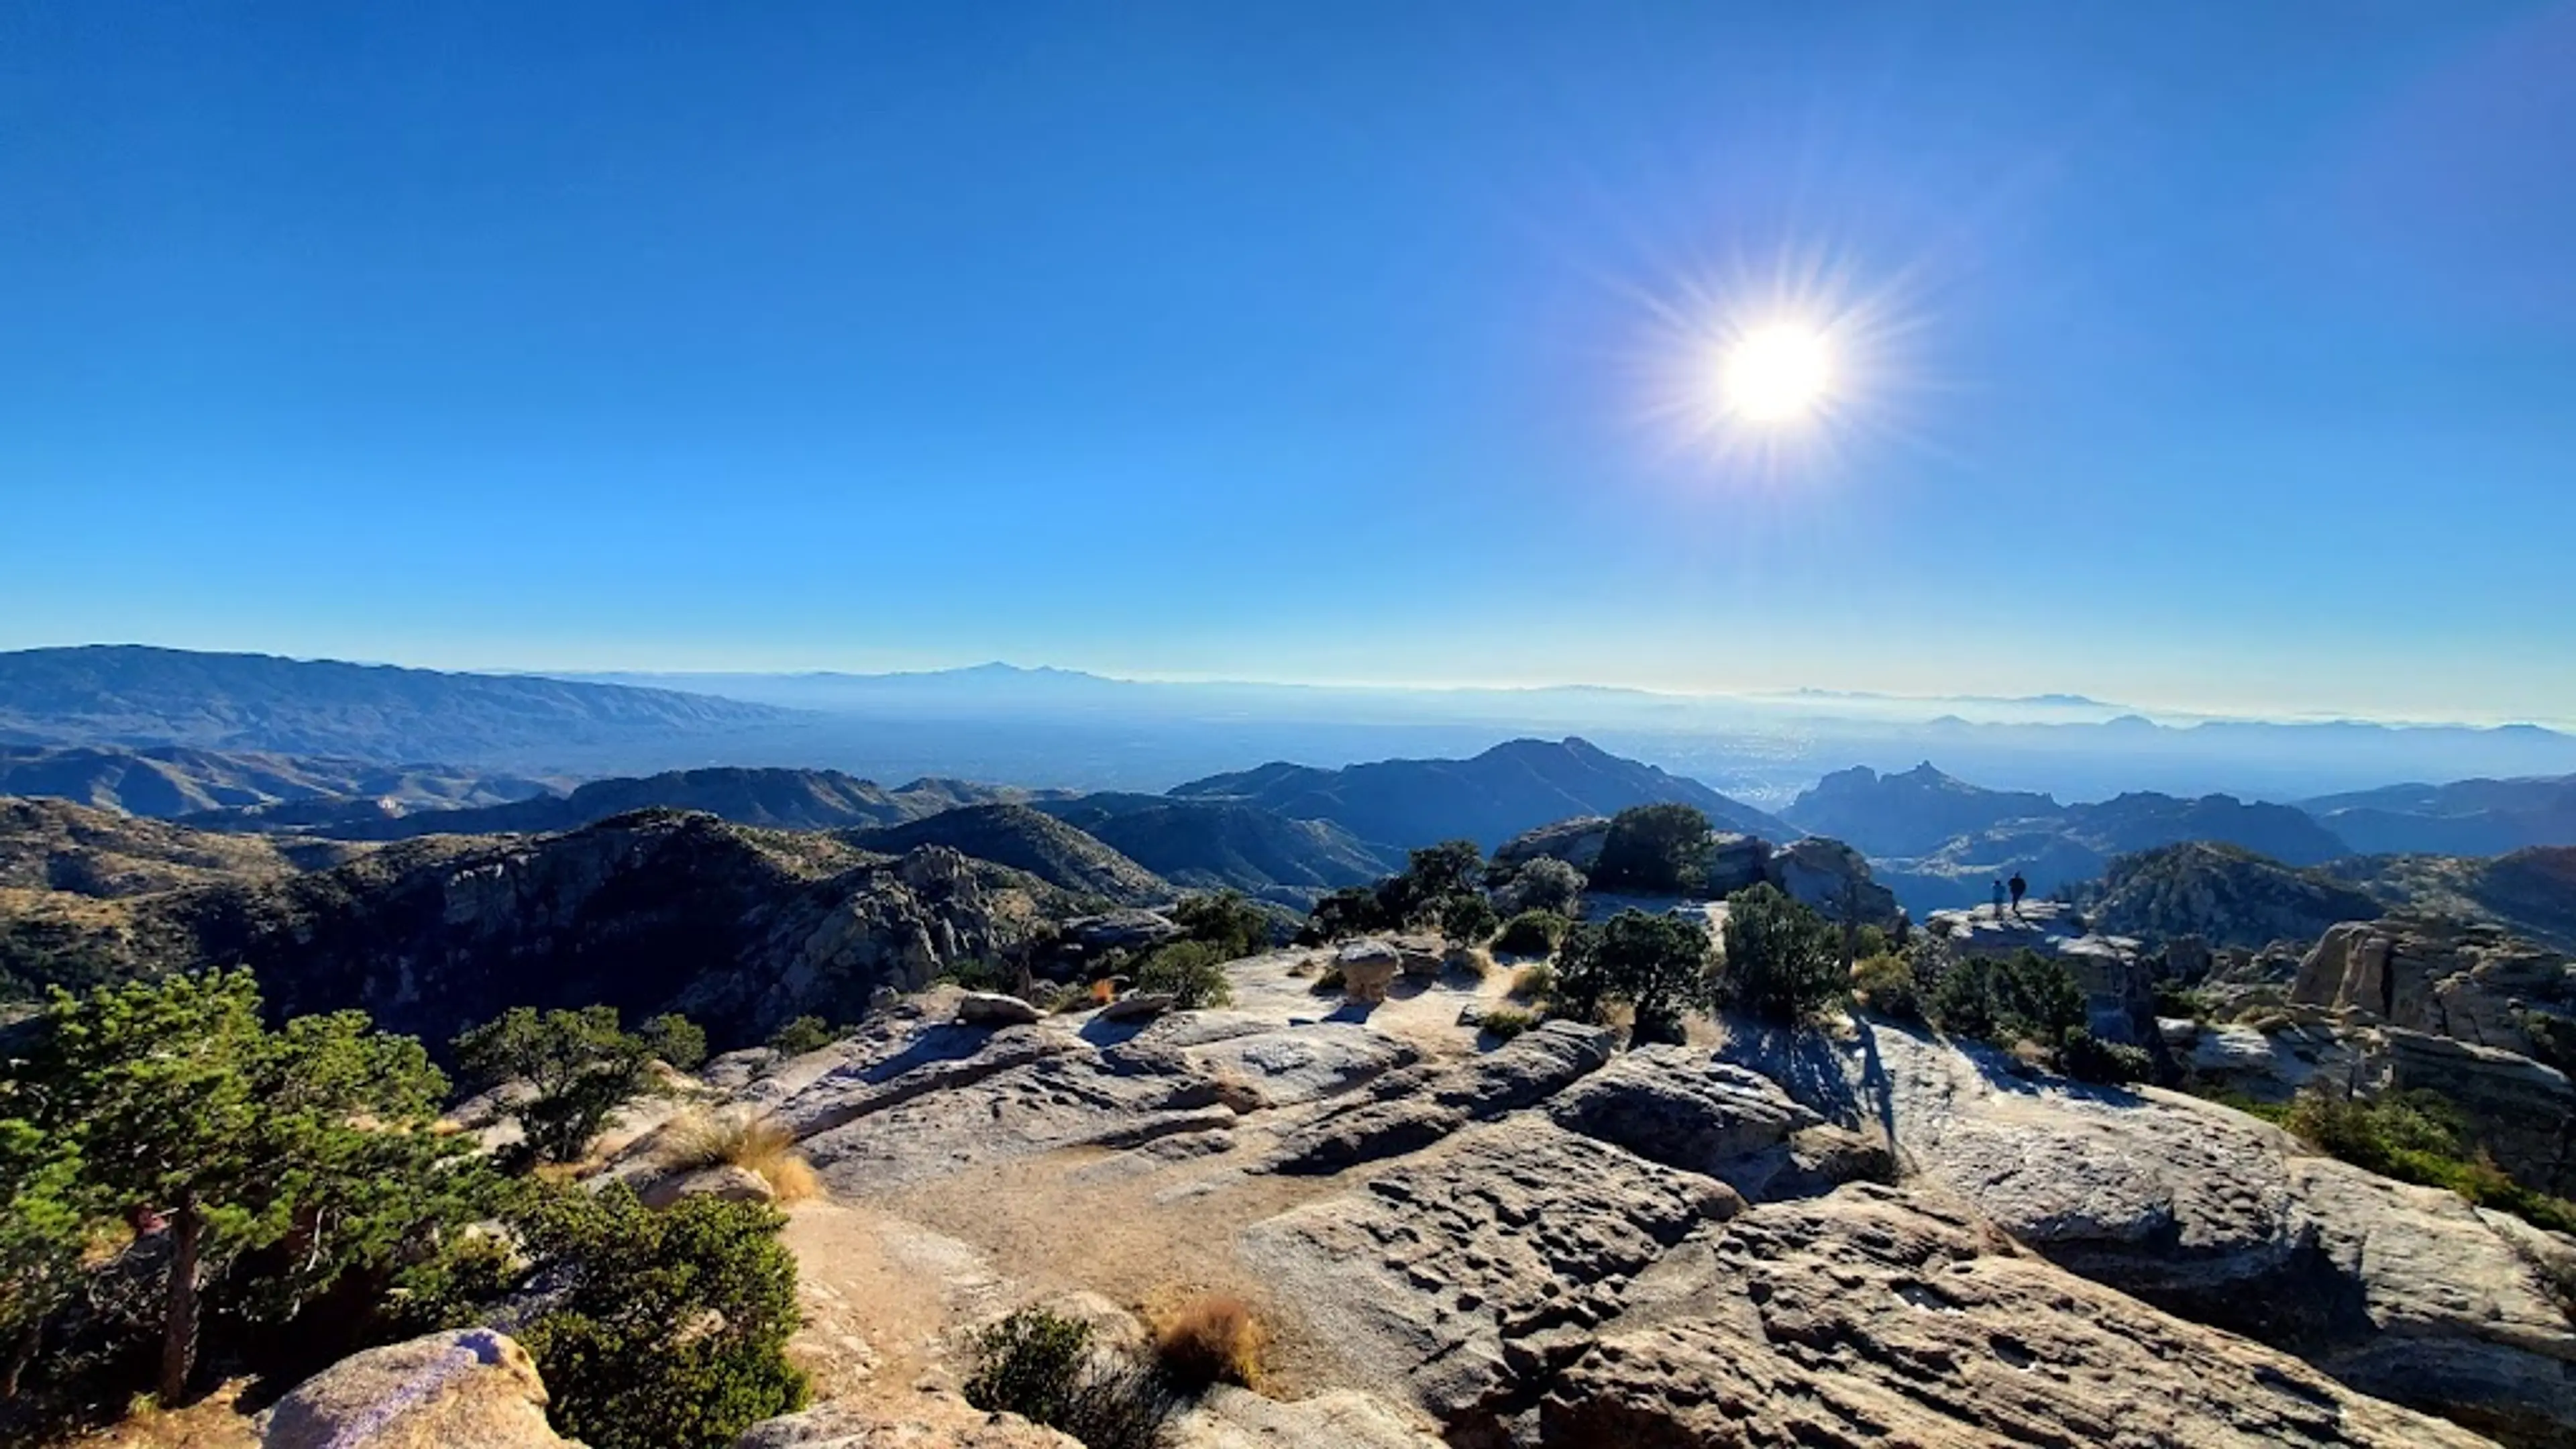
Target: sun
(1777,374)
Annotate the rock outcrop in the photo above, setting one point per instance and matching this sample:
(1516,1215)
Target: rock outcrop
(469,1386)
(2117,977)
(1793,1239)
(2222,1219)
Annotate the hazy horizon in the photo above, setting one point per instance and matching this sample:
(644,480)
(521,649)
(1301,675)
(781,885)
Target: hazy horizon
(2161,356)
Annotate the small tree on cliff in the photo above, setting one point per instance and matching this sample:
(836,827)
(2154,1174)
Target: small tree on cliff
(1783,960)
(579,1066)
(1660,849)
(178,1104)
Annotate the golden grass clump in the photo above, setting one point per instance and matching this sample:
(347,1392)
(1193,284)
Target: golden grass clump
(1213,1338)
(763,1144)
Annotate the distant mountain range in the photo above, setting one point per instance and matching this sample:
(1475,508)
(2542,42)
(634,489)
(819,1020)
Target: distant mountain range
(2468,817)
(171,780)
(1066,729)
(1939,841)
(783,799)
(1402,804)
(137,696)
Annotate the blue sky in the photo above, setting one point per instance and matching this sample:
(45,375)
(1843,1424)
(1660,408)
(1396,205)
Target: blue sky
(2201,356)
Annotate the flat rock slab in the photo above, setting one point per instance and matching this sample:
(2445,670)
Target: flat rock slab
(1875,1317)
(1440,1266)
(2223,1219)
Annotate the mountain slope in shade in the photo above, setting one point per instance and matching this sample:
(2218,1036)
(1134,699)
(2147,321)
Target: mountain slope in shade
(661,910)
(1899,820)
(1220,844)
(133,695)
(1402,804)
(1026,839)
(165,781)
(2530,892)
(2465,817)
(2226,895)
(782,799)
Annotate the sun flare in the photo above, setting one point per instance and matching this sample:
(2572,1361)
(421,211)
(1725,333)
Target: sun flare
(1777,374)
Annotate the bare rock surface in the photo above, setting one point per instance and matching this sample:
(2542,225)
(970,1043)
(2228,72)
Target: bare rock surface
(1552,1241)
(1877,1317)
(470,1386)
(2221,1219)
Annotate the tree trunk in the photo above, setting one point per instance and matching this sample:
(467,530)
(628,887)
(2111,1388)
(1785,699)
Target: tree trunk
(179,1322)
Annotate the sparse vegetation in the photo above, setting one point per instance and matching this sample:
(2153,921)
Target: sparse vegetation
(1532,933)
(2027,999)
(1469,920)
(1543,884)
(579,1067)
(1656,965)
(698,1138)
(1224,919)
(1192,971)
(1211,1339)
(2023,997)
(1502,1023)
(1783,961)
(676,1041)
(802,1035)
(1656,849)
(1535,983)
(2418,1137)
(1043,1367)
(1885,981)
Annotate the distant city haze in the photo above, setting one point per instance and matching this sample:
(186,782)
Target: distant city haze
(2199,358)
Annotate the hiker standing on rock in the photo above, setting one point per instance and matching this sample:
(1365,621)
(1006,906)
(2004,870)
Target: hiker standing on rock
(1999,900)
(2019,886)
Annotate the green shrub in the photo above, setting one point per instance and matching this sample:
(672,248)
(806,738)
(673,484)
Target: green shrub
(2418,1137)
(579,1066)
(1192,971)
(1502,1023)
(977,973)
(2022,997)
(1041,1366)
(1783,961)
(1886,982)
(1350,911)
(676,1041)
(2174,999)
(1532,933)
(1225,920)
(1543,884)
(804,1034)
(2088,1058)
(663,1330)
(1657,964)
(1468,920)
(1658,849)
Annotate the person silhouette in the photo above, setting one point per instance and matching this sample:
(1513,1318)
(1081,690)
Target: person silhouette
(2019,886)
(1999,899)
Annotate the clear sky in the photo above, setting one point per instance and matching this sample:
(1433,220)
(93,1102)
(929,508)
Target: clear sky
(2217,356)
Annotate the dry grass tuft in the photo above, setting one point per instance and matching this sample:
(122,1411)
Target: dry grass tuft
(698,1138)
(1213,1338)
